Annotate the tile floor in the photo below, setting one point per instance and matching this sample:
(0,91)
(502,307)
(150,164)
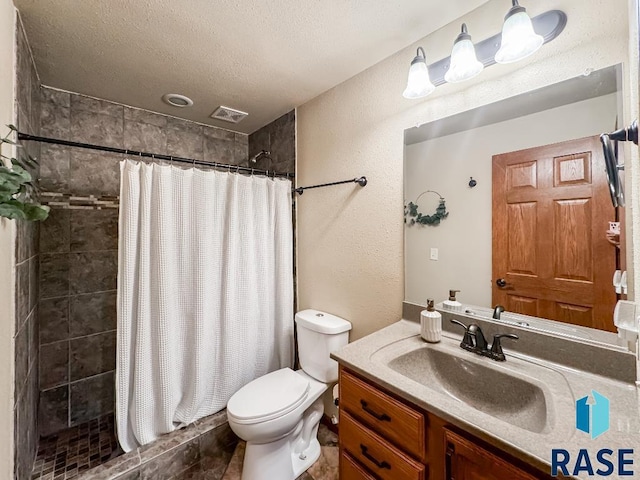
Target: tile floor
(67,454)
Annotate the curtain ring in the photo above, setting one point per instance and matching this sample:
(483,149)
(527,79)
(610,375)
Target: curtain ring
(171,160)
(252,172)
(237,168)
(228,168)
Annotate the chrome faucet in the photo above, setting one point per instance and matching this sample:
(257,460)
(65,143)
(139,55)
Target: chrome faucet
(497,311)
(474,341)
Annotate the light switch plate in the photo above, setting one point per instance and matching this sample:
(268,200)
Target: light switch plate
(434,254)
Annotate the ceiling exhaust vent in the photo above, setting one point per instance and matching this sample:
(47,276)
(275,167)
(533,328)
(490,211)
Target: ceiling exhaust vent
(228,114)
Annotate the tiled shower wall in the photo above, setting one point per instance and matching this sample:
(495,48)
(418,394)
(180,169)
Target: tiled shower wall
(279,138)
(79,242)
(26,328)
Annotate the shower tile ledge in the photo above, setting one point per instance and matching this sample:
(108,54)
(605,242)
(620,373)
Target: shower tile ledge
(125,464)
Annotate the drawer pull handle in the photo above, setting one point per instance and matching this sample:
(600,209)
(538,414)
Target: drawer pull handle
(383,417)
(448,462)
(379,464)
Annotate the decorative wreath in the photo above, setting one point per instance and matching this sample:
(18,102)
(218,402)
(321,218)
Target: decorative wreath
(411,210)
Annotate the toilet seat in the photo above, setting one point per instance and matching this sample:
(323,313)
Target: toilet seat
(267,397)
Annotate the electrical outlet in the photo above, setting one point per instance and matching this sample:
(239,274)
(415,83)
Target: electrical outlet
(434,254)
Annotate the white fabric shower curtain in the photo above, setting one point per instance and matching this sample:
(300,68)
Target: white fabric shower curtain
(205,292)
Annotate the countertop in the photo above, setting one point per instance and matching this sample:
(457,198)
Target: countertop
(368,356)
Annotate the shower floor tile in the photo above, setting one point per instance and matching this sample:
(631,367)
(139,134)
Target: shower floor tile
(68,453)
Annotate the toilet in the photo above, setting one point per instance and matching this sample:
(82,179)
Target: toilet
(278,414)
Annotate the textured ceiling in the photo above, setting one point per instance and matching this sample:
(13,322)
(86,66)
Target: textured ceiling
(262,57)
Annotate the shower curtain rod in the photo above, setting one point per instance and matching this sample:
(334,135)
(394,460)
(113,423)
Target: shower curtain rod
(135,153)
(362,181)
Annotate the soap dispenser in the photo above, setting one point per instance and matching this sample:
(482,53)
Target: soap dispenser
(452,303)
(430,324)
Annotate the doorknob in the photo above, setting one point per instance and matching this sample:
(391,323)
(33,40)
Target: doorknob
(501,282)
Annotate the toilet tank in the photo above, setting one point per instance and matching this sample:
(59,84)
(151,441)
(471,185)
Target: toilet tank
(319,334)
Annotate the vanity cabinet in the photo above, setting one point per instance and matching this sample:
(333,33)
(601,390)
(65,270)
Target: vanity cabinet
(465,460)
(382,437)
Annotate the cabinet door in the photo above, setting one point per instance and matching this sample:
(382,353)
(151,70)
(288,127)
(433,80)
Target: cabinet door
(467,461)
(351,470)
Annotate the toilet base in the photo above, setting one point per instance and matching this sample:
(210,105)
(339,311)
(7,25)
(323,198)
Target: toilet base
(289,456)
(312,454)
(270,461)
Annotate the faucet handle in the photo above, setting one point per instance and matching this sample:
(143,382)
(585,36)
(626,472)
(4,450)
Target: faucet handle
(496,346)
(467,340)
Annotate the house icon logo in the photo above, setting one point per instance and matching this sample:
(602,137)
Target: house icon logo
(592,414)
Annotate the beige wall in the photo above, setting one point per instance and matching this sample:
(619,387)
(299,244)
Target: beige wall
(445,164)
(7,247)
(350,240)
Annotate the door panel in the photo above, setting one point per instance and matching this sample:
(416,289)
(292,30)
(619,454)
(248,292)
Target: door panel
(572,240)
(522,223)
(524,305)
(551,210)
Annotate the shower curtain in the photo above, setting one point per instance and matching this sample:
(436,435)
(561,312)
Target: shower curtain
(205,292)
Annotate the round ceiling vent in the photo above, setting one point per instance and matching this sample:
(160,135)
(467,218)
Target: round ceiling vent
(176,100)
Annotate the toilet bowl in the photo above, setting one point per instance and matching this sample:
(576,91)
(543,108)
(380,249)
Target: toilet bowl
(278,414)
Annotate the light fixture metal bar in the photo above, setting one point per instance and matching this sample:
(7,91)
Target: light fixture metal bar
(548,24)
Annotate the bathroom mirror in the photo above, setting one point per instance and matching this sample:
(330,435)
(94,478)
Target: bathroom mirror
(530,221)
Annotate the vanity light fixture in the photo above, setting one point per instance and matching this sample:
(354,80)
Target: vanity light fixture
(464,62)
(519,40)
(521,36)
(418,84)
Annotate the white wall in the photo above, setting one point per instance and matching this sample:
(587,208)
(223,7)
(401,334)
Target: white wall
(7,248)
(445,164)
(350,240)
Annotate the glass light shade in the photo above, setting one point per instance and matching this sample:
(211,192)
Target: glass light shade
(518,39)
(464,63)
(419,84)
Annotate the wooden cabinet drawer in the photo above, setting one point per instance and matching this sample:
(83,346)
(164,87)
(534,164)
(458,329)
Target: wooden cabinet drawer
(379,456)
(385,415)
(351,470)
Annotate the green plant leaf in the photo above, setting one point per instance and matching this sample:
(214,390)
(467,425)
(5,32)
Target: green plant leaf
(21,173)
(35,212)
(13,210)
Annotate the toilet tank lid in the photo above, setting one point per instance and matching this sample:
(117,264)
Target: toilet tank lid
(322,322)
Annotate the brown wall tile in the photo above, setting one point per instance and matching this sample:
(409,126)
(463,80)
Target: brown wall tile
(54,319)
(54,364)
(184,139)
(94,173)
(54,410)
(145,116)
(92,355)
(56,97)
(144,137)
(55,121)
(55,231)
(92,397)
(96,128)
(54,275)
(54,168)
(92,313)
(93,272)
(21,355)
(94,230)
